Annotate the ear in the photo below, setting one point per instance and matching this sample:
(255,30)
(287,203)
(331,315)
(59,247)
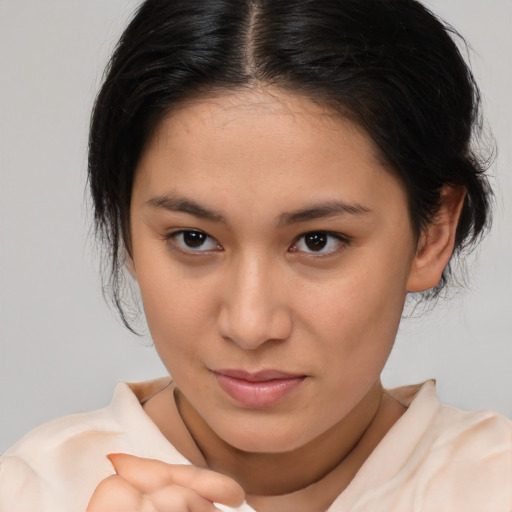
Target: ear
(437,241)
(130,266)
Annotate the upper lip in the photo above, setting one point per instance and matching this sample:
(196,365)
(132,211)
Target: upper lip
(261,376)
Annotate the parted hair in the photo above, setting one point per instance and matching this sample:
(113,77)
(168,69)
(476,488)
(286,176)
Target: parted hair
(390,66)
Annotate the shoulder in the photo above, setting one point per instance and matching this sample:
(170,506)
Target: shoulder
(467,461)
(51,438)
(468,433)
(442,427)
(58,465)
(473,451)
(38,467)
(439,458)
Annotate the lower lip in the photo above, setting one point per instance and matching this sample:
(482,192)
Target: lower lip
(257,394)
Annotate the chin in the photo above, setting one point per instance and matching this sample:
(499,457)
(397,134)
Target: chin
(263,445)
(262,439)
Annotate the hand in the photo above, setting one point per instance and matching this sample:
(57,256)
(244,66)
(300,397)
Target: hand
(148,485)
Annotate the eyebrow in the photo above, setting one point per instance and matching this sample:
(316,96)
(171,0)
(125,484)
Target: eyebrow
(322,211)
(316,211)
(181,204)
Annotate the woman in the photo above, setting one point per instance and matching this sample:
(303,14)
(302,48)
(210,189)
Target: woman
(278,177)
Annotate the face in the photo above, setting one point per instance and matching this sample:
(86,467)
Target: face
(273,254)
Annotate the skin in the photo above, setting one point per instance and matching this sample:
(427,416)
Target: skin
(147,485)
(269,167)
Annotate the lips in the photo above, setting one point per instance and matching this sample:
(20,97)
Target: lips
(260,389)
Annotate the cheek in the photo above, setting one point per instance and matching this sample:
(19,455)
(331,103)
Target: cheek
(174,328)
(358,315)
(360,301)
(167,301)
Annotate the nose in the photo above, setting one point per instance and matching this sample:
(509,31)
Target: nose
(255,310)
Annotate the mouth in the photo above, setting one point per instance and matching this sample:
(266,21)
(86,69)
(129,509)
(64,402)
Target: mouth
(257,390)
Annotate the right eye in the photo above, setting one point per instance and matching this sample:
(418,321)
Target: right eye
(193,241)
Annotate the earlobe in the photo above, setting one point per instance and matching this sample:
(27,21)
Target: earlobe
(437,241)
(130,266)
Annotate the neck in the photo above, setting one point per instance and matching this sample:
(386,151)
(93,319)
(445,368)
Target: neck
(344,446)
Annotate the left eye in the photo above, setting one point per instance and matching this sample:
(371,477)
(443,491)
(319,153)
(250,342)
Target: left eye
(319,242)
(189,240)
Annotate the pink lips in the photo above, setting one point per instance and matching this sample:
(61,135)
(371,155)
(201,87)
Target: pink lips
(257,390)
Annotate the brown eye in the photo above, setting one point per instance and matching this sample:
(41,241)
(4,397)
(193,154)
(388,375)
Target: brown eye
(316,241)
(321,243)
(194,239)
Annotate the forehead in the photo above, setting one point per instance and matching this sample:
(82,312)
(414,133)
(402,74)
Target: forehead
(262,145)
(285,117)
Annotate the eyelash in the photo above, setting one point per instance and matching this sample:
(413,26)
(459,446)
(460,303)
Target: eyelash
(341,240)
(172,238)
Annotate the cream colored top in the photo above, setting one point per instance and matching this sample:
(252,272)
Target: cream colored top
(434,459)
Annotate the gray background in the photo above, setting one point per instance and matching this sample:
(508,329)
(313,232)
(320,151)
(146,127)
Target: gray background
(62,350)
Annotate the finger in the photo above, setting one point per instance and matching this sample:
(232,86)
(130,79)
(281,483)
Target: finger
(149,475)
(114,494)
(174,498)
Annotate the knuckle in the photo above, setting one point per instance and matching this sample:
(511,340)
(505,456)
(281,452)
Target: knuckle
(175,498)
(114,494)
